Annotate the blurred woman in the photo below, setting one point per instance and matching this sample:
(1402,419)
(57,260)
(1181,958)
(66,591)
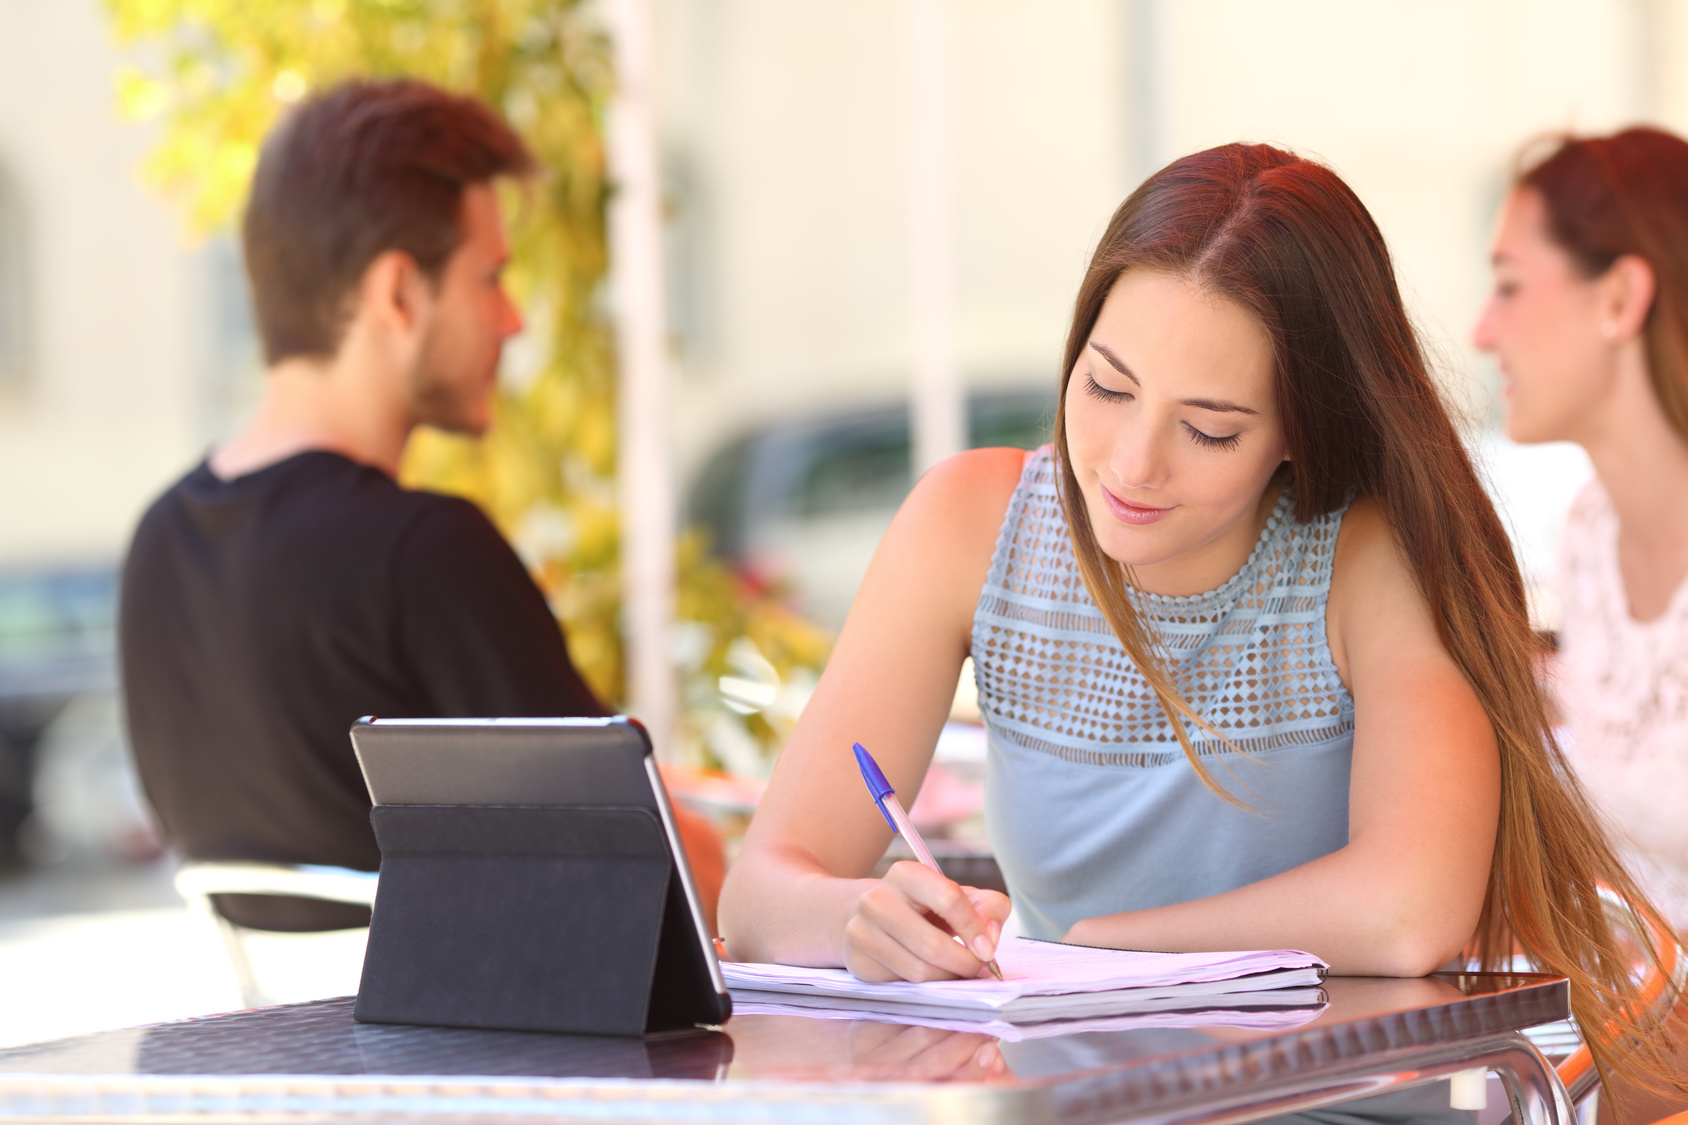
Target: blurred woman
(1589,321)
(1250,643)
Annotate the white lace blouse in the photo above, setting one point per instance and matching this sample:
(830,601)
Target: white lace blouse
(1622,686)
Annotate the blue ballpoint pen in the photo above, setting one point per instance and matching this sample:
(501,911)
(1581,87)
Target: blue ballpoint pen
(892,810)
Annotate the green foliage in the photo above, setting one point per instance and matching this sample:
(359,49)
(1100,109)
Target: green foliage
(223,71)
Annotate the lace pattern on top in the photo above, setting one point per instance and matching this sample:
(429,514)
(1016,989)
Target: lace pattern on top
(1623,686)
(1251,655)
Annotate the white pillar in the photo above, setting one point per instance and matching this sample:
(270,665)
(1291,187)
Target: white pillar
(939,403)
(643,468)
(1661,52)
(1146,54)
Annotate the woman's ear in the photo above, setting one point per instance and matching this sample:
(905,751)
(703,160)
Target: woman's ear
(1627,290)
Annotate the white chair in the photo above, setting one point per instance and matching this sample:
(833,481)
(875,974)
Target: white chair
(196,882)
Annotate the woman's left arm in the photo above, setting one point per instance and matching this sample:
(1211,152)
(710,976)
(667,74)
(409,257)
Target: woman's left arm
(1403,896)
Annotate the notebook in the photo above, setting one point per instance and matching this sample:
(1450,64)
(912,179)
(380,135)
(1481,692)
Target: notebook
(1042,980)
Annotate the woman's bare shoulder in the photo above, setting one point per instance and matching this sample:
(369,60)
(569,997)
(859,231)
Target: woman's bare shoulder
(1374,594)
(1370,558)
(993,471)
(1365,527)
(967,495)
(947,528)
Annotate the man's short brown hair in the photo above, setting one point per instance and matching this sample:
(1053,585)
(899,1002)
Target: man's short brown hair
(361,169)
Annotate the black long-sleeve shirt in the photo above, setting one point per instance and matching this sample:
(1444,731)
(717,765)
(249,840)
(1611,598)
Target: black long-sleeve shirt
(262,615)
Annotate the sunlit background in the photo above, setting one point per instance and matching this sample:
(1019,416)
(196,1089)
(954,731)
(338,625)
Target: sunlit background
(800,192)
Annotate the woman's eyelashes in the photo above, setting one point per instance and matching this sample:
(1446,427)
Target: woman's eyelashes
(1205,440)
(1097,390)
(1209,441)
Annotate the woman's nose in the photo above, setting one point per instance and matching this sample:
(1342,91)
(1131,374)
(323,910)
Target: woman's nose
(1483,335)
(1138,460)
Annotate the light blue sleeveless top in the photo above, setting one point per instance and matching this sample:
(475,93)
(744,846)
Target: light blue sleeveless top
(1091,805)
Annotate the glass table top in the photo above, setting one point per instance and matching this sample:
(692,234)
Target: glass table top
(320,1039)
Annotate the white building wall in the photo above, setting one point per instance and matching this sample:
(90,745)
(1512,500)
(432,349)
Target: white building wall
(784,124)
(789,122)
(1422,107)
(788,118)
(105,414)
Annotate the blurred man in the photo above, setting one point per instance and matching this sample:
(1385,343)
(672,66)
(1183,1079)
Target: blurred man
(288,585)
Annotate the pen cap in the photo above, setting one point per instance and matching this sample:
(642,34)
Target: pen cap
(877,786)
(876,783)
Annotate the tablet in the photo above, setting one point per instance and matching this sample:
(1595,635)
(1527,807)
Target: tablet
(569,763)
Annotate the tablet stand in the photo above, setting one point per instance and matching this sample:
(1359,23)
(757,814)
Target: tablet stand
(527,918)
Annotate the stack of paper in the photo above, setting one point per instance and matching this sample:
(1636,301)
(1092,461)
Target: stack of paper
(1045,980)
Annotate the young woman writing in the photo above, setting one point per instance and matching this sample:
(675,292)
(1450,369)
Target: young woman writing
(1250,643)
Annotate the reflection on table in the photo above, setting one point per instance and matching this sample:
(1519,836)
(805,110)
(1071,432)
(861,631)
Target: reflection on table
(313,1059)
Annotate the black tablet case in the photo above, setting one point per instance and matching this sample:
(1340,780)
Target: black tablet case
(533,918)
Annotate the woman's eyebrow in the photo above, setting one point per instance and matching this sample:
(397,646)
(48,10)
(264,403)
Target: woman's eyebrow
(1118,364)
(1223,406)
(1219,404)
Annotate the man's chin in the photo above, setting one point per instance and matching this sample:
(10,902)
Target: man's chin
(452,407)
(465,421)
(459,427)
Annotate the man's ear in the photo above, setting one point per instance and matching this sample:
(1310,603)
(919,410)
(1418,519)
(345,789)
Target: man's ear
(393,291)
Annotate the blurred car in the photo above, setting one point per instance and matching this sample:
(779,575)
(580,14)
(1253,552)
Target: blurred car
(58,660)
(804,502)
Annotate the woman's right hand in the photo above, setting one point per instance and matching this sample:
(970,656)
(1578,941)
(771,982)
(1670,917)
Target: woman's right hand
(905,927)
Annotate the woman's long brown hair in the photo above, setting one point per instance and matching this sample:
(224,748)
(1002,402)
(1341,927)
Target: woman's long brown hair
(1287,240)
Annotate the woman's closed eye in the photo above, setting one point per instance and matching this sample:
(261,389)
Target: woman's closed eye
(1097,390)
(1201,438)
(1210,441)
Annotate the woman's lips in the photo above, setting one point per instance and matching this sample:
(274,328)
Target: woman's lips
(1127,512)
